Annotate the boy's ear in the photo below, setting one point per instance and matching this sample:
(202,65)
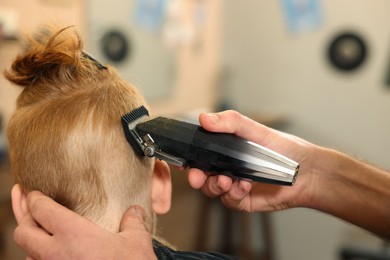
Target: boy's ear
(19,202)
(161,187)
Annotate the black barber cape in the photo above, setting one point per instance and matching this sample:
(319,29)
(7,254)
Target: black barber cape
(165,253)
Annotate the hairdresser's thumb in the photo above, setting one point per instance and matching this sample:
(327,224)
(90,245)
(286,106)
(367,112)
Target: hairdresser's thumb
(222,122)
(138,240)
(209,121)
(133,219)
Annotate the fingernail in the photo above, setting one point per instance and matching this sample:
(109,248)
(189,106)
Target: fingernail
(137,211)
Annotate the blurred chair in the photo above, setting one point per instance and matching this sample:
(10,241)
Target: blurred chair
(244,235)
(357,253)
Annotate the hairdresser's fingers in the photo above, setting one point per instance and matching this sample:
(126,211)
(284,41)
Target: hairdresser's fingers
(31,238)
(217,185)
(214,185)
(197,178)
(240,189)
(49,213)
(235,197)
(233,122)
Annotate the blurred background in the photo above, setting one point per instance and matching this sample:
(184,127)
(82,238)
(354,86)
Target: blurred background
(319,69)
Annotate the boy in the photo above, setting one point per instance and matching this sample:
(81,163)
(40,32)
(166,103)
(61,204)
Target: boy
(66,139)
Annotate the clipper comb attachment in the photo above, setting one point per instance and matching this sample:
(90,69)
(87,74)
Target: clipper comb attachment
(129,122)
(144,145)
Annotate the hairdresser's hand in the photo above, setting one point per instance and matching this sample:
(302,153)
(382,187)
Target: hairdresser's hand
(247,196)
(51,231)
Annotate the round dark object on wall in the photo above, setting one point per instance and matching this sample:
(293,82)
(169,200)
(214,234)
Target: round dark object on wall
(115,46)
(347,51)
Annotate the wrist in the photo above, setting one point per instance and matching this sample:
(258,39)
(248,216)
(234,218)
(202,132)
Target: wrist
(320,172)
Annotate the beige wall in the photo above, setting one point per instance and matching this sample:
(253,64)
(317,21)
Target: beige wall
(196,79)
(35,12)
(8,93)
(276,71)
(196,84)
(29,15)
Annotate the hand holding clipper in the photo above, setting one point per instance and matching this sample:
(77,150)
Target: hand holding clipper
(184,144)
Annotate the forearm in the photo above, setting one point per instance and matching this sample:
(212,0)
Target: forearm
(329,181)
(352,190)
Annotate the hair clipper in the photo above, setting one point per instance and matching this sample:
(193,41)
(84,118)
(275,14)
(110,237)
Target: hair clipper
(185,144)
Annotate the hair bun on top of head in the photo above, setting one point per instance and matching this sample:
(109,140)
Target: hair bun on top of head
(52,55)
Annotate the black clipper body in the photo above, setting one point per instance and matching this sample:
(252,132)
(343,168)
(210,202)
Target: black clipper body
(185,144)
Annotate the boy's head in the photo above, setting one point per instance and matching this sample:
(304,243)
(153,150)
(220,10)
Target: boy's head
(66,139)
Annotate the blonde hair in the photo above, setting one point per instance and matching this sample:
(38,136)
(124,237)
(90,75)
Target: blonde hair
(65,137)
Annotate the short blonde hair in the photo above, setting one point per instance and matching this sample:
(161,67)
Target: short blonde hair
(65,137)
